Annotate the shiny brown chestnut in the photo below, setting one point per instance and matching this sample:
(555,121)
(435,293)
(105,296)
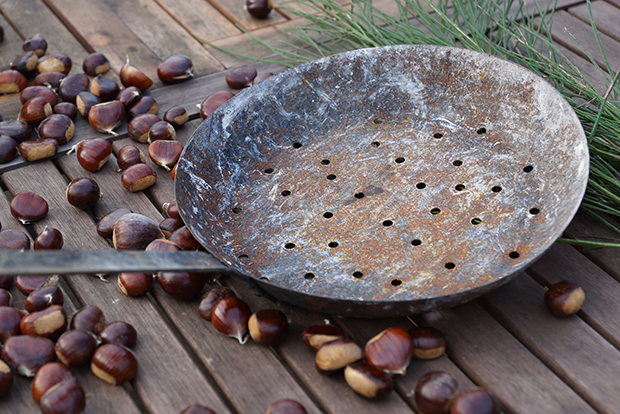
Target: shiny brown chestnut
(564,298)
(25,354)
(47,376)
(128,95)
(197,409)
(85,101)
(11,81)
(93,153)
(138,177)
(104,88)
(368,381)
(131,76)
(18,130)
(72,85)
(171,209)
(135,232)
(175,69)
(38,149)
(67,397)
(89,318)
(95,64)
(26,64)
(14,240)
(6,378)
(56,62)
(114,364)
(176,116)
(107,116)
(35,110)
(230,317)
(161,130)
(138,128)
(213,101)
(28,207)
(162,245)
(258,8)
(142,105)
(390,350)
(30,283)
(428,343)
(261,76)
(129,155)
(43,297)
(165,153)
(118,333)
(476,401)
(268,327)
(50,322)
(335,355)
(434,392)
(169,225)
(10,319)
(57,126)
(6,299)
(75,347)
(210,299)
(240,77)
(184,239)
(66,108)
(42,91)
(317,335)
(36,44)
(49,79)
(8,149)
(6,281)
(83,193)
(48,239)
(286,407)
(105,225)
(181,285)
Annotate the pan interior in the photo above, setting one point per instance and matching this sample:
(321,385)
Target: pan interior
(386,174)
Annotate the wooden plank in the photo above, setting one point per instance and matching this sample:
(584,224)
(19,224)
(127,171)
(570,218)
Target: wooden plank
(572,349)
(614,2)
(605,17)
(498,362)
(10,47)
(234,10)
(167,379)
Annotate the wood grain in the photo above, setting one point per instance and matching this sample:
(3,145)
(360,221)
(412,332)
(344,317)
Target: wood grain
(604,17)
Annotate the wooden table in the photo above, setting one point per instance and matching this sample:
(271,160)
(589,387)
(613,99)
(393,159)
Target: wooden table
(506,341)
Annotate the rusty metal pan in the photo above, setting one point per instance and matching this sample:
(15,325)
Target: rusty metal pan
(385,181)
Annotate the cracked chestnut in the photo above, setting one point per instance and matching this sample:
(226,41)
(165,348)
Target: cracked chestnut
(213,101)
(50,322)
(107,116)
(210,299)
(95,64)
(6,378)
(476,401)
(93,153)
(43,297)
(56,62)
(104,88)
(181,285)
(72,85)
(335,355)
(268,327)
(75,347)
(428,343)
(138,177)
(67,397)
(142,105)
(128,156)
(230,317)
(43,91)
(138,128)
(286,407)
(25,354)
(9,322)
(28,207)
(118,333)
(391,350)
(175,69)
(240,77)
(131,76)
(565,298)
(48,376)
(8,149)
(35,110)
(89,318)
(368,381)
(49,79)
(48,239)
(105,226)
(315,336)
(114,364)
(66,108)
(435,391)
(135,231)
(38,149)
(57,126)
(11,81)
(83,193)
(165,153)
(161,130)
(176,116)
(36,44)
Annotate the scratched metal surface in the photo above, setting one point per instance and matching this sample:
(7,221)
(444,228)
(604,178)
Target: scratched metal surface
(385,181)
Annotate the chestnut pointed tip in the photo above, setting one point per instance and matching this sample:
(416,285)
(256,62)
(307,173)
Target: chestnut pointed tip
(242,337)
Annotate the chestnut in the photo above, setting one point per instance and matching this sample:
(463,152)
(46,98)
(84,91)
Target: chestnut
(169,225)
(42,91)
(135,231)
(35,110)
(93,153)
(26,64)
(128,95)
(66,108)
(5,283)
(118,333)
(367,380)
(114,364)
(14,240)
(476,401)
(129,155)
(25,354)
(181,285)
(176,116)
(28,284)
(49,79)
(6,378)
(6,299)
(337,354)
(75,347)
(183,238)
(161,130)
(138,177)
(428,343)
(434,392)
(35,44)
(316,336)
(104,88)
(83,193)
(564,298)
(11,81)
(212,298)
(89,318)
(175,69)
(9,322)
(48,376)
(50,322)
(212,102)
(67,397)
(197,409)
(286,407)
(48,239)
(240,77)
(38,149)
(230,317)
(138,128)
(43,297)
(165,153)
(8,149)
(142,105)
(72,85)
(56,62)
(171,209)
(105,117)
(95,64)
(18,130)
(85,101)
(57,126)
(105,226)
(261,76)
(162,245)
(391,350)
(28,207)
(268,327)
(131,76)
